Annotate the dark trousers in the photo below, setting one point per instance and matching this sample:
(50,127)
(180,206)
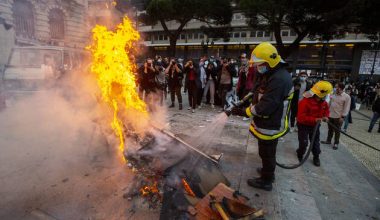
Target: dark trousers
(176,91)
(338,124)
(193,93)
(293,115)
(223,89)
(267,152)
(199,96)
(305,134)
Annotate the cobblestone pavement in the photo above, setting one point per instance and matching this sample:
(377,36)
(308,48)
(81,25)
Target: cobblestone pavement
(359,129)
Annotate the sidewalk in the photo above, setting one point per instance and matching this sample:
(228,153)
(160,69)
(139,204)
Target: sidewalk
(83,180)
(342,188)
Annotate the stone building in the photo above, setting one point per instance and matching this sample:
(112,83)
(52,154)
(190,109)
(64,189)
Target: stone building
(42,22)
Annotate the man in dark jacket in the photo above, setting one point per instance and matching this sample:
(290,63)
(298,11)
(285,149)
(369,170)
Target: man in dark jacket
(301,85)
(175,76)
(376,114)
(269,109)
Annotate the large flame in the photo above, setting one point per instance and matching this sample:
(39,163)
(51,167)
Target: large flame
(114,70)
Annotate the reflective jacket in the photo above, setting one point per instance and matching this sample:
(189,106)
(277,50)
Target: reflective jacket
(271,104)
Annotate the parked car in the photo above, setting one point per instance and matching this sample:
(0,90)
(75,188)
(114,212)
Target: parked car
(35,68)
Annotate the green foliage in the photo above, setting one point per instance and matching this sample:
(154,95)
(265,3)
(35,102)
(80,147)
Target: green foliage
(318,19)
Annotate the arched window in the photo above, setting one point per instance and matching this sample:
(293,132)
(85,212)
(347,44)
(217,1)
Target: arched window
(23,18)
(57,25)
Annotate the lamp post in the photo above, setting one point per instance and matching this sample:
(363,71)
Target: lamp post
(374,59)
(205,46)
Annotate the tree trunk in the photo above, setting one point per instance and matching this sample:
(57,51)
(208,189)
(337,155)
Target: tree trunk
(172,47)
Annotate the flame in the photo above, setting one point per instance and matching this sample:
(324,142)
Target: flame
(114,71)
(150,190)
(187,188)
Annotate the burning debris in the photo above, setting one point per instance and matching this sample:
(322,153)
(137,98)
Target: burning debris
(168,173)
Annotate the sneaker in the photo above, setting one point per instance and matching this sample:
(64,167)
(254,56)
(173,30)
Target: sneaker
(369,130)
(335,146)
(258,170)
(192,110)
(295,129)
(172,105)
(212,106)
(316,161)
(291,130)
(260,184)
(199,106)
(189,108)
(325,142)
(246,119)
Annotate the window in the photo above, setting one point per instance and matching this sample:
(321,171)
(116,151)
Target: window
(253,33)
(161,37)
(196,36)
(56,23)
(23,18)
(156,37)
(292,33)
(259,33)
(201,36)
(236,34)
(182,37)
(285,33)
(189,36)
(237,16)
(266,34)
(243,34)
(230,35)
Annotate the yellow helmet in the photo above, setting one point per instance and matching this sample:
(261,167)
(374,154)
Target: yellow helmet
(265,52)
(322,88)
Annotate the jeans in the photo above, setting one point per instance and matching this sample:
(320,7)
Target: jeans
(193,90)
(267,152)
(209,85)
(223,89)
(375,116)
(305,134)
(176,91)
(347,120)
(338,124)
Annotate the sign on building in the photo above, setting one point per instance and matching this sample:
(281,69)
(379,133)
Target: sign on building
(367,60)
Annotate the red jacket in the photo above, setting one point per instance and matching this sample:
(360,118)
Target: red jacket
(309,109)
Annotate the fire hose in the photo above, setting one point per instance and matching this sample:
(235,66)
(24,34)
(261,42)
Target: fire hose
(312,143)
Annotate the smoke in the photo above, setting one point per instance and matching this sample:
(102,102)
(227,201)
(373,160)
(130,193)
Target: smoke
(51,137)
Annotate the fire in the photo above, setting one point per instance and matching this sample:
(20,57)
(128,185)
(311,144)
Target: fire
(187,188)
(114,71)
(150,190)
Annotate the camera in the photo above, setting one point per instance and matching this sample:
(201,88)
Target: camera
(149,64)
(173,62)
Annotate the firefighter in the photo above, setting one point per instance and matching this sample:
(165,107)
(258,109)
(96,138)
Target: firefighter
(311,109)
(269,110)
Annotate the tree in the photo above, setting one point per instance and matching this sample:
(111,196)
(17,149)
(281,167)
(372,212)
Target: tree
(318,19)
(368,12)
(211,12)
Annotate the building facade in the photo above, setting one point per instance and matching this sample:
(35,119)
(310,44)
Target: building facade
(337,58)
(42,22)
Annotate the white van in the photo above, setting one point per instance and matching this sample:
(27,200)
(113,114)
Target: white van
(35,68)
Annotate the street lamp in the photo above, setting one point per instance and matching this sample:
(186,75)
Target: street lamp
(374,59)
(205,47)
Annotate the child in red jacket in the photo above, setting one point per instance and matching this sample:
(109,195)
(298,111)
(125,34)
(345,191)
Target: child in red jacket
(311,109)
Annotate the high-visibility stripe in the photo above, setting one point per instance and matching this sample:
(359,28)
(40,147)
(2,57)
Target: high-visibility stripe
(267,137)
(248,112)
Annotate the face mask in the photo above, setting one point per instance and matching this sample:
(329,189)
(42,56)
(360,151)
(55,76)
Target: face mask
(302,78)
(262,69)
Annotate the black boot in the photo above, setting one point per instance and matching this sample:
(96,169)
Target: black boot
(316,161)
(258,170)
(260,183)
(172,105)
(180,106)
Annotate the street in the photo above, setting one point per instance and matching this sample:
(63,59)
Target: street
(62,168)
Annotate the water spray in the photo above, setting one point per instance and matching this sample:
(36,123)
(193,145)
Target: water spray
(233,105)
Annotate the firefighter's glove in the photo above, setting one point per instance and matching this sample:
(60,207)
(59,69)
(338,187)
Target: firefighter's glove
(239,111)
